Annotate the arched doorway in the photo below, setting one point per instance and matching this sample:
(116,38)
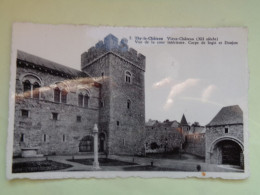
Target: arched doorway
(86,144)
(102,139)
(227,152)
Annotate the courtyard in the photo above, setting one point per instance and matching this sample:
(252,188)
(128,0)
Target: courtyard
(152,162)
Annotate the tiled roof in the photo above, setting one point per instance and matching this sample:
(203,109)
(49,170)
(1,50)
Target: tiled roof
(227,116)
(49,64)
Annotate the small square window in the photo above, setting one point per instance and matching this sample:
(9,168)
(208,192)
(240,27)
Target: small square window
(55,116)
(78,118)
(117,123)
(226,130)
(25,113)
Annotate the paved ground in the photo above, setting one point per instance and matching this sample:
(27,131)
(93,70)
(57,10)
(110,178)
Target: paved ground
(189,163)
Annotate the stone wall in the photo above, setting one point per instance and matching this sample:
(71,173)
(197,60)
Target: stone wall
(127,137)
(124,127)
(168,139)
(111,44)
(62,136)
(95,70)
(195,144)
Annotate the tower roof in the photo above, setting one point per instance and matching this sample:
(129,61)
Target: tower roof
(227,116)
(183,120)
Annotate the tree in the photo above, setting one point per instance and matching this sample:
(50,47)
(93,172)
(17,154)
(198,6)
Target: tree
(195,124)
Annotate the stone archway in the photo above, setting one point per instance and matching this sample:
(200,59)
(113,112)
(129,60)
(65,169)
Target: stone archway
(227,151)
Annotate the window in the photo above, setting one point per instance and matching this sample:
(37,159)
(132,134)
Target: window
(64,138)
(123,142)
(31,86)
(101,103)
(36,92)
(128,104)
(55,116)
(78,118)
(226,130)
(44,137)
(128,77)
(102,75)
(64,96)
(22,138)
(26,86)
(56,94)
(83,100)
(80,100)
(25,113)
(86,144)
(117,123)
(86,98)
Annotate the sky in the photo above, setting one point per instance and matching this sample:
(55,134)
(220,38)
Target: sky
(195,80)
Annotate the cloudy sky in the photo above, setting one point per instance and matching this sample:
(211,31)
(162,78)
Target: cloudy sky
(195,80)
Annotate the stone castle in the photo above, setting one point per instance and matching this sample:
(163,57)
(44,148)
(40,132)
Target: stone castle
(56,108)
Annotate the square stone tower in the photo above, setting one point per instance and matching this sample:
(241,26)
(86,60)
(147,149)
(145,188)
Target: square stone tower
(120,71)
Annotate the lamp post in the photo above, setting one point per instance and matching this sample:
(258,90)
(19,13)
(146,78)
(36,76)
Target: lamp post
(95,132)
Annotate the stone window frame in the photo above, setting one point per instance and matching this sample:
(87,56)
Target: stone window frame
(226,130)
(35,83)
(128,77)
(101,103)
(84,94)
(45,138)
(64,138)
(29,113)
(53,116)
(62,89)
(22,138)
(78,118)
(129,104)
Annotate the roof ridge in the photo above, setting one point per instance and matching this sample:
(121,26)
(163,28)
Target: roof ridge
(39,61)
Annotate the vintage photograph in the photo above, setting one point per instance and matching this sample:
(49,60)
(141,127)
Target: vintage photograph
(90,101)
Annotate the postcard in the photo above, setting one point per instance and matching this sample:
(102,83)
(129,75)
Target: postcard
(104,102)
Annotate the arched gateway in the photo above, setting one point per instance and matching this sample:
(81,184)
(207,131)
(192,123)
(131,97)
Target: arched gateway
(227,151)
(224,137)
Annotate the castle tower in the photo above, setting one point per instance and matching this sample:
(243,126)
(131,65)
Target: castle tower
(184,125)
(120,71)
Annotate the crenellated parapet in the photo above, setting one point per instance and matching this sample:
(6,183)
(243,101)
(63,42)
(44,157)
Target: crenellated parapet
(111,44)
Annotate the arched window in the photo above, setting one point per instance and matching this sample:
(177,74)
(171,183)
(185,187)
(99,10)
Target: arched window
(26,86)
(128,104)
(36,92)
(128,77)
(86,98)
(86,144)
(64,96)
(83,98)
(31,85)
(57,94)
(80,99)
